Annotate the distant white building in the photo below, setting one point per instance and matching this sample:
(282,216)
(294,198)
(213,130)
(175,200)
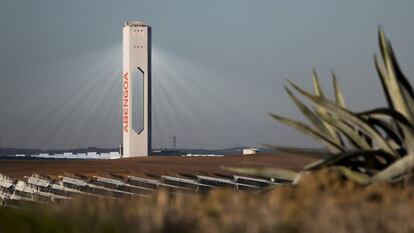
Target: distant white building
(201,155)
(250,151)
(71,155)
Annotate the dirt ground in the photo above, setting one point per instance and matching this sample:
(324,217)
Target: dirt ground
(153,165)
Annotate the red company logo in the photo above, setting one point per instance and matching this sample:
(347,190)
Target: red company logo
(125,95)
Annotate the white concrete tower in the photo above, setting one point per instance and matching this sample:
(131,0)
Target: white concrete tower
(136,86)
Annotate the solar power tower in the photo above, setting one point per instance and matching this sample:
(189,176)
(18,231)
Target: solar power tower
(136,104)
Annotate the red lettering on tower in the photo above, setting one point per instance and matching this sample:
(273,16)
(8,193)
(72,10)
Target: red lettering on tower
(125,96)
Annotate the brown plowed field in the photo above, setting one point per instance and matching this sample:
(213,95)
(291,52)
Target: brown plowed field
(153,165)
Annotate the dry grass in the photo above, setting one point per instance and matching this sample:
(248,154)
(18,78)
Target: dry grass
(324,202)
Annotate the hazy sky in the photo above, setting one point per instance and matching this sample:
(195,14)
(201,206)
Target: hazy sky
(218,66)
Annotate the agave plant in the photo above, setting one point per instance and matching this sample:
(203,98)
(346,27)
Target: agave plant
(366,146)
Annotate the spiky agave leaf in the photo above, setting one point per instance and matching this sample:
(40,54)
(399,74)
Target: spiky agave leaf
(357,177)
(275,173)
(339,97)
(383,78)
(382,75)
(395,83)
(388,74)
(398,90)
(390,121)
(319,92)
(387,113)
(316,85)
(348,116)
(398,168)
(312,117)
(403,81)
(330,145)
(405,127)
(382,158)
(390,132)
(357,140)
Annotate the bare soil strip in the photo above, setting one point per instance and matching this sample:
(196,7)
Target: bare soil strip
(149,165)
